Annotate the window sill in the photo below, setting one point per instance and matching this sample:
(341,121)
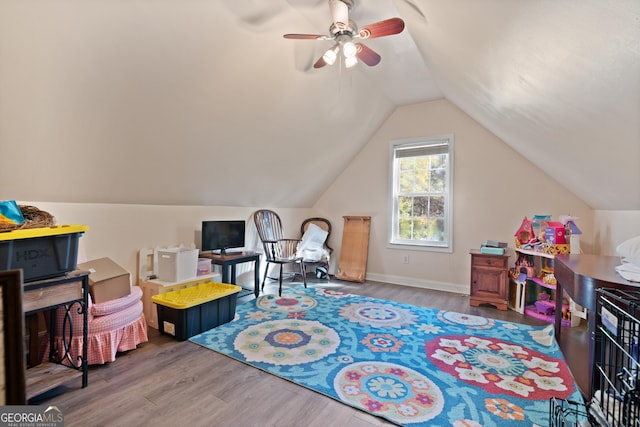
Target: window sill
(418,247)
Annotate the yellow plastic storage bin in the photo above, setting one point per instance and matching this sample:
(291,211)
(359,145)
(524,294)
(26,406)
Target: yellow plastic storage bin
(188,312)
(42,252)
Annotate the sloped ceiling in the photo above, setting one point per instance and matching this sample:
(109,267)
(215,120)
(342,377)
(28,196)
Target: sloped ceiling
(204,103)
(559,81)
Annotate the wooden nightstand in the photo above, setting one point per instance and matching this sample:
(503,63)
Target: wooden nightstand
(489,280)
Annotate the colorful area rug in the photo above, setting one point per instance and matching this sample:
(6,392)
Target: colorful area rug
(410,365)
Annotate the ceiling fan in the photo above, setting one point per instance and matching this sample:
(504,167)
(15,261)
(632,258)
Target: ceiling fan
(343,31)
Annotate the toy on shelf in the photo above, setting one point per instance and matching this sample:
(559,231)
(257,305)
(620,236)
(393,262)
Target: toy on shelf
(539,223)
(549,237)
(525,233)
(544,305)
(555,241)
(566,311)
(532,284)
(549,278)
(523,267)
(554,233)
(534,244)
(552,249)
(572,230)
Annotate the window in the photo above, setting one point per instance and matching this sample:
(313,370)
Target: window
(421,205)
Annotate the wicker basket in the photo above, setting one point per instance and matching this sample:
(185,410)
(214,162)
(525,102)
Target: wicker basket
(33,218)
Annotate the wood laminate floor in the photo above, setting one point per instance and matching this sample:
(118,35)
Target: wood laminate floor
(165,382)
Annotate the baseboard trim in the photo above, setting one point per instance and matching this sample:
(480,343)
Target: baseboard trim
(419,283)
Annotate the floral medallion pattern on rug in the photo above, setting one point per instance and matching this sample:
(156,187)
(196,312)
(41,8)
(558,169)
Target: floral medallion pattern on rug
(467,320)
(403,394)
(287,342)
(286,304)
(500,367)
(371,313)
(414,366)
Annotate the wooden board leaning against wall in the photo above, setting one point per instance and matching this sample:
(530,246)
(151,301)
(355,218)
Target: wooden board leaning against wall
(355,247)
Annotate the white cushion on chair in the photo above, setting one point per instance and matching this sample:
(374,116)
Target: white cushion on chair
(311,248)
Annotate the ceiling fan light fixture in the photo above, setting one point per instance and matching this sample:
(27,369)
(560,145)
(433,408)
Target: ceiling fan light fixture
(343,31)
(330,55)
(350,61)
(349,50)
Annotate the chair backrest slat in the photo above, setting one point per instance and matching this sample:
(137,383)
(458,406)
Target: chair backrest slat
(269,228)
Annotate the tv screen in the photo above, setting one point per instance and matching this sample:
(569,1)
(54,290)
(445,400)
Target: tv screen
(222,235)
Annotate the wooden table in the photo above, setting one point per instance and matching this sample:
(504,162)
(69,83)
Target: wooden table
(579,276)
(228,263)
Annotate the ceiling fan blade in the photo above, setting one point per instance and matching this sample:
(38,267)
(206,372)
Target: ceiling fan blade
(367,55)
(306,36)
(339,13)
(320,63)
(383,28)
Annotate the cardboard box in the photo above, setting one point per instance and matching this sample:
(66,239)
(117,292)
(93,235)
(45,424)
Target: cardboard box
(107,280)
(177,264)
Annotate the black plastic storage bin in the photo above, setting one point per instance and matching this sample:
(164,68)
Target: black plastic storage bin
(41,253)
(188,312)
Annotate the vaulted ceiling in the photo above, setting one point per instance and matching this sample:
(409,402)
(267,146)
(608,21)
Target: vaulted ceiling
(197,102)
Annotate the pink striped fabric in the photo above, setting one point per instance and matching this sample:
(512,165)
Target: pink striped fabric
(108,334)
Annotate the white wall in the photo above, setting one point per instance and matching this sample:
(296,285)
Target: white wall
(119,231)
(494,189)
(614,227)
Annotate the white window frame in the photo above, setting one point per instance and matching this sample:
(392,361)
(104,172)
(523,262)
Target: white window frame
(393,241)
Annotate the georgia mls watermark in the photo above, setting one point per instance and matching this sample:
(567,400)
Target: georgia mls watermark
(31,416)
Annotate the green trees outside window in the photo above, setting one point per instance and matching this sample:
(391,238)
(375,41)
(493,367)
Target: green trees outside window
(421,184)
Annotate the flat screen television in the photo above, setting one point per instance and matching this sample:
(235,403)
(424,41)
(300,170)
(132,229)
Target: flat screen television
(219,236)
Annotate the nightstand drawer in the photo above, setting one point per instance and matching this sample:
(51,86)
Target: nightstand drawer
(490,261)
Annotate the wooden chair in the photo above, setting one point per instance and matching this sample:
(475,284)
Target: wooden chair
(325,225)
(277,250)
